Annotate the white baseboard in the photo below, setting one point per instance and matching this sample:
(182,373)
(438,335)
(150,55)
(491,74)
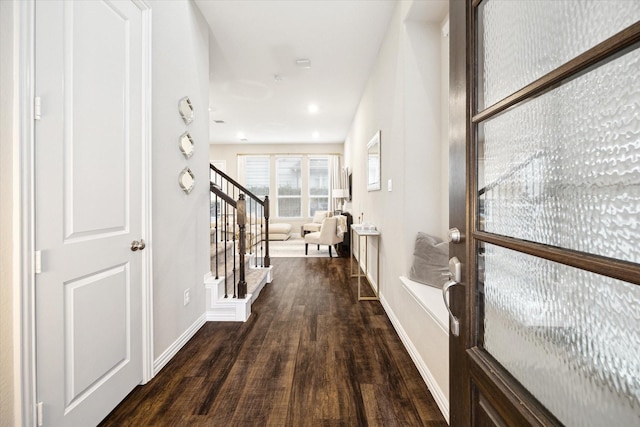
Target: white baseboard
(173,349)
(438,395)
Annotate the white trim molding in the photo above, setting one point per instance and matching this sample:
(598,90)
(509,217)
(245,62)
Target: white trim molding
(173,349)
(147,194)
(25,283)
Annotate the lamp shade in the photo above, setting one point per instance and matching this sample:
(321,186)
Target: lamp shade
(340,193)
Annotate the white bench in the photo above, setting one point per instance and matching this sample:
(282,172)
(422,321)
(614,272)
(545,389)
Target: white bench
(430,350)
(430,299)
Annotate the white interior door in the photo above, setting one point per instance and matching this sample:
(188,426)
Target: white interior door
(88,207)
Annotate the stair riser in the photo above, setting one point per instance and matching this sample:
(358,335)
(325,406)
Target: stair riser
(220,308)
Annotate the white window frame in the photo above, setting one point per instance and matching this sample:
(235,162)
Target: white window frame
(277,192)
(310,196)
(245,167)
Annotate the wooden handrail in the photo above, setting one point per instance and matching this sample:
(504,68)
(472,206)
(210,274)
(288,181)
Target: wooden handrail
(228,198)
(218,192)
(236,184)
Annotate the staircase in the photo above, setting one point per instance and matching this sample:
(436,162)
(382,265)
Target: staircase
(240,262)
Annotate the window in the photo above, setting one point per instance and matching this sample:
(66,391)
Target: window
(289,185)
(256,171)
(318,184)
(298,184)
(257,175)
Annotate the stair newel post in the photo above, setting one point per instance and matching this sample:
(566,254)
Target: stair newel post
(215,228)
(234,222)
(241,213)
(260,233)
(267,258)
(256,225)
(225,231)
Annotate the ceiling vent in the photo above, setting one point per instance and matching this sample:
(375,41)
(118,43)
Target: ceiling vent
(220,122)
(303,63)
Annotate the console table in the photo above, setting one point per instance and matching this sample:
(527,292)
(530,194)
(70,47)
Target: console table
(360,233)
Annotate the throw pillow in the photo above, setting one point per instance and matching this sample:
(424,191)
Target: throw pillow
(430,261)
(319,216)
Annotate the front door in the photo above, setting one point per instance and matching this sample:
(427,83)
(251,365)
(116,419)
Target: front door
(88,207)
(545,187)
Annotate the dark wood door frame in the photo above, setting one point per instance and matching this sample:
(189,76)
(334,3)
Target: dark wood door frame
(459,214)
(482,392)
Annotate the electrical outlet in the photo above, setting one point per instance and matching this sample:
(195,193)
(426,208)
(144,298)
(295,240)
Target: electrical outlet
(187,296)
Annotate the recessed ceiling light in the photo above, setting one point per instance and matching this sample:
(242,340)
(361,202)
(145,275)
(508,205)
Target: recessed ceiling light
(220,122)
(241,136)
(303,63)
(313,108)
(315,135)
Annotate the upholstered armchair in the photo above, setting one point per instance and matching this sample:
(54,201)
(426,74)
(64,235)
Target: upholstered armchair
(315,223)
(328,235)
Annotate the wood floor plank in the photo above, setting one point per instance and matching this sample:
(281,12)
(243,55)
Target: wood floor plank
(309,355)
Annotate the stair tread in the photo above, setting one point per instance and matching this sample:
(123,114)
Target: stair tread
(221,247)
(253,276)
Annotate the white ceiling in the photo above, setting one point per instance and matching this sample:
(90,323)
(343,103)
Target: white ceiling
(255,40)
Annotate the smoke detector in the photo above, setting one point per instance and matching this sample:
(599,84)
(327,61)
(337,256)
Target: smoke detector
(303,63)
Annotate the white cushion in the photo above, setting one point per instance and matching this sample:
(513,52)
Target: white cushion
(279,227)
(327,234)
(319,216)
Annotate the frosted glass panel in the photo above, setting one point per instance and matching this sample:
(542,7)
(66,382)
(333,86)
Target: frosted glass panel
(569,336)
(563,169)
(521,41)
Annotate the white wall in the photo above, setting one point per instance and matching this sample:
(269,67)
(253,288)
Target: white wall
(7,232)
(403,98)
(180,222)
(444,122)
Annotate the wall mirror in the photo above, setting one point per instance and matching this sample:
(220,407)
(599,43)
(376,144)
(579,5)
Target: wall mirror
(373,163)
(185,143)
(186,180)
(186,109)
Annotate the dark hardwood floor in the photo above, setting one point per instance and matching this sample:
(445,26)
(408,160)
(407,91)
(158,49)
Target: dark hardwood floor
(310,355)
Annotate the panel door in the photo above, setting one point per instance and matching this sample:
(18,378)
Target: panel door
(545,163)
(88,207)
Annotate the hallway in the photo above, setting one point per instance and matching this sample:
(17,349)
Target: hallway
(309,355)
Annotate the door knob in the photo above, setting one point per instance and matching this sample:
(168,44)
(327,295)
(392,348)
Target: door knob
(454,235)
(138,245)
